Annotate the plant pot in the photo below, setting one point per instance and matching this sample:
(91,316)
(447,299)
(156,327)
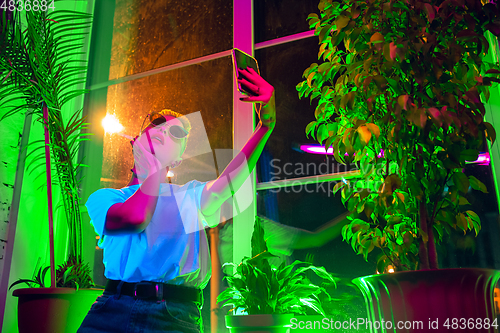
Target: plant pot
(79,305)
(430,301)
(259,323)
(42,310)
(53,309)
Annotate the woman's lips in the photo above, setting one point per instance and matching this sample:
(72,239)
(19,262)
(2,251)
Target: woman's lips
(159,138)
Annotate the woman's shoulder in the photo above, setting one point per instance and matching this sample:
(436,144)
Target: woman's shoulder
(104,191)
(190,184)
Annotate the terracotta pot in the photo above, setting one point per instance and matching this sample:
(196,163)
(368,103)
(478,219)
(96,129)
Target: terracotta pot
(259,323)
(430,301)
(53,310)
(42,310)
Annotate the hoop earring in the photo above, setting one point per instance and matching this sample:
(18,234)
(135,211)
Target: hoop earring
(175,164)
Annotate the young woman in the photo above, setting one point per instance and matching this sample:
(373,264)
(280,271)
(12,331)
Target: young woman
(155,248)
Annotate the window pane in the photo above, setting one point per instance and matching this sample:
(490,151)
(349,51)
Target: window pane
(283,66)
(309,211)
(311,207)
(484,250)
(206,88)
(280,18)
(149,34)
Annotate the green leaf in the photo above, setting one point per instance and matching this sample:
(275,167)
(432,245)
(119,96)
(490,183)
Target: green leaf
(444,215)
(324,32)
(382,263)
(341,21)
(322,133)
(476,184)
(476,222)
(462,201)
(469,155)
(338,186)
(461,181)
(27,281)
(490,132)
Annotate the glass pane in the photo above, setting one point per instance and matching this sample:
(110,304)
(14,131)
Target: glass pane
(280,18)
(184,91)
(309,209)
(312,207)
(149,34)
(484,250)
(283,66)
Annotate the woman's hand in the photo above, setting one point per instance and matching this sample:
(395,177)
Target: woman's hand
(145,163)
(262,92)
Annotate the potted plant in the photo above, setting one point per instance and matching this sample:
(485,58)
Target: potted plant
(268,296)
(39,69)
(401,92)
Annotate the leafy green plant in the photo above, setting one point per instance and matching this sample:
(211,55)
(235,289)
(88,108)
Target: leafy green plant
(259,288)
(39,71)
(72,276)
(401,91)
(38,280)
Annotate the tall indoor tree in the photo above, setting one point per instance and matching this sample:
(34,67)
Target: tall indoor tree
(401,89)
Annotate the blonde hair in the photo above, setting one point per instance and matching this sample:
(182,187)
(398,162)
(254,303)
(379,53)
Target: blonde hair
(185,122)
(153,116)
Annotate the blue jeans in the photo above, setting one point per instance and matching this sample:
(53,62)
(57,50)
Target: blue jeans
(121,313)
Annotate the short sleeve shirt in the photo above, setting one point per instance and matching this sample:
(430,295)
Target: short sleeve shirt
(173,248)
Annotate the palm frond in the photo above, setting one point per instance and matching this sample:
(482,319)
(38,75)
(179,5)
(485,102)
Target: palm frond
(40,65)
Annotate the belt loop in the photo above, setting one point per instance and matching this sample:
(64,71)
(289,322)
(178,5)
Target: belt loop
(119,289)
(159,292)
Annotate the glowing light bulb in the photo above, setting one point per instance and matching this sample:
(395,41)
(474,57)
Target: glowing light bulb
(112,125)
(170,174)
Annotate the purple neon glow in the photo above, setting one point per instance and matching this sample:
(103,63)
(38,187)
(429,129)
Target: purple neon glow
(483,159)
(319,149)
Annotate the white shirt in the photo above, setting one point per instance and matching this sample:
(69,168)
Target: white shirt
(172,249)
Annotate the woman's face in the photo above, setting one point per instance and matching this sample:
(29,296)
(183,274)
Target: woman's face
(166,148)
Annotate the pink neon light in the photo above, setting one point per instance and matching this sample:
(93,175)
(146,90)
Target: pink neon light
(483,159)
(286,39)
(313,149)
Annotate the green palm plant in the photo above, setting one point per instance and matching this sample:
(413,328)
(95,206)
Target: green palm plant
(39,70)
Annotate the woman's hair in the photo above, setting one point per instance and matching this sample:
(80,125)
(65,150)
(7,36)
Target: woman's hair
(157,118)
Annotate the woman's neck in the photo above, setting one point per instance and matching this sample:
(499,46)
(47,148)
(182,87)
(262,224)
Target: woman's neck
(136,181)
